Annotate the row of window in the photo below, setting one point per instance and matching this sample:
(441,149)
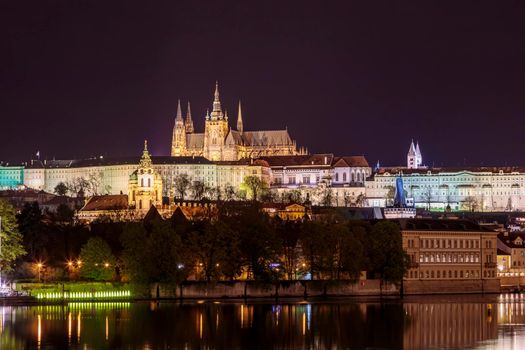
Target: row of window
(449,258)
(358,177)
(449,243)
(450,274)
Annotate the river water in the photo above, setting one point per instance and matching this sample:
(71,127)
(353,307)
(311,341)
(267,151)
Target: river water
(431,322)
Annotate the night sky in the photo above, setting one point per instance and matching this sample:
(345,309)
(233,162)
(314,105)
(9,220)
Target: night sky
(84,78)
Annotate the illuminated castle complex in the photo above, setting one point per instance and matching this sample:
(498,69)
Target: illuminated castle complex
(221,142)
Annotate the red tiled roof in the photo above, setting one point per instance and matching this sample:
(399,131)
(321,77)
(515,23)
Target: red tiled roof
(107,202)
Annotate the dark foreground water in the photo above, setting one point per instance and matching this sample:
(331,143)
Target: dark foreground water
(479,322)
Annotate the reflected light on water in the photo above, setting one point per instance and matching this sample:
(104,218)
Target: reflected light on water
(475,322)
(39,331)
(78,326)
(69,326)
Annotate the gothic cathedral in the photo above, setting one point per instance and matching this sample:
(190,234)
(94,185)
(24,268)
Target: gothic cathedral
(220,142)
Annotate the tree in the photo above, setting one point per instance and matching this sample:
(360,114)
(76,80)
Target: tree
(60,189)
(12,247)
(199,190)
(427,196)
(135,259)
(327,197)
(289,233)
(216,247)
(386,256)
(472,204)
(98,262)
(33,230)
(360,201)
(181,184)
(229,192)
(312,243)
(295,196)
(260,245)
(154,256)
(390,194)
(352,252)
(254,186)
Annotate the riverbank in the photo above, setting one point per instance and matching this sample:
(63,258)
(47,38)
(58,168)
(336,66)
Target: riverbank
(108,292)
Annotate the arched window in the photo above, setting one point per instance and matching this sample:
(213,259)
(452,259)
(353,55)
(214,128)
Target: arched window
(352,177)
(149,182)
(336,176)
(141,182)
(344,177)
(140,203)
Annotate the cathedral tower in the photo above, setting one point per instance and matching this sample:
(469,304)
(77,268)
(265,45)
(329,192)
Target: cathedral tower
(178,142)
(216,129)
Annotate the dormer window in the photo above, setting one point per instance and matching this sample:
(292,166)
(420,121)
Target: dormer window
(518,241)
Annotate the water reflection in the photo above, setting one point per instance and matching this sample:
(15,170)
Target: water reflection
(416,323)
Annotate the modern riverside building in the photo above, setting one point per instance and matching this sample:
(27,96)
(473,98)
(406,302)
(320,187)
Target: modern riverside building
(448,256)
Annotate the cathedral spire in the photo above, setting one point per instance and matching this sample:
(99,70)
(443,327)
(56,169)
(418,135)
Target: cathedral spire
(189,121)
(239,119)
(216,100)
(178,119)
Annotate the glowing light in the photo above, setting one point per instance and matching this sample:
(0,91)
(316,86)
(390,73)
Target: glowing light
(69,328)
(200,325)
(78,326)
(107,328)
(39,331)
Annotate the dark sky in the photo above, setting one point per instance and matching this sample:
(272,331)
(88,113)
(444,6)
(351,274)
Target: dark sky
(83,78)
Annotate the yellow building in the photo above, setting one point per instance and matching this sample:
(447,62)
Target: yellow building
(449,256)
(291,212)
(145,184)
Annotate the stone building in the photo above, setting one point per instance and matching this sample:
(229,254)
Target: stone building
(320,178)
(145,184)
(449,188)
(448,256)
(219,141)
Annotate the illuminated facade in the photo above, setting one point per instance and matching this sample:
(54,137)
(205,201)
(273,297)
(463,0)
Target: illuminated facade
(145,184)
(11,176)
(320,178)
(101,176)
(468,189)
(447,188)
(220,142)
(446,251)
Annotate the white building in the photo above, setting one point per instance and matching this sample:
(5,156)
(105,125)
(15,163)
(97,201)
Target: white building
(438,188)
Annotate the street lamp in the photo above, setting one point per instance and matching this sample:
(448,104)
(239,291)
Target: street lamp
(39,266)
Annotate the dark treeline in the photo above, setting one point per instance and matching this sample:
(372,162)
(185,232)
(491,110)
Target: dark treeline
(241,243)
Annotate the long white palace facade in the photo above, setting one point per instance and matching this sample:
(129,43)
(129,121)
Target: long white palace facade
(222,157)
